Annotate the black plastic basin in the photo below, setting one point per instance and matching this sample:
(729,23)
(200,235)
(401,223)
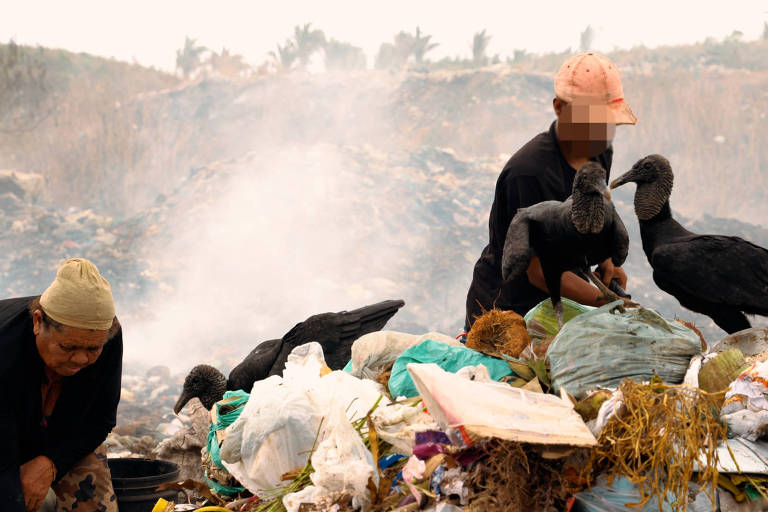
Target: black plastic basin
(136,480)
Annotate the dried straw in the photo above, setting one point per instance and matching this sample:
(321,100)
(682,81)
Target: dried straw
(660,434)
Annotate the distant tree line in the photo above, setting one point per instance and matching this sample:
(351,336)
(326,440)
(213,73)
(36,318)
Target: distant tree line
(410,50)
(407,49)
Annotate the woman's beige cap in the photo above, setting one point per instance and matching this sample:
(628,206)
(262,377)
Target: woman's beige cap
(79,297)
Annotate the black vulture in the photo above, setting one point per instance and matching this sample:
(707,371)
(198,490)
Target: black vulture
(722,277)
(582,231)
(334,331)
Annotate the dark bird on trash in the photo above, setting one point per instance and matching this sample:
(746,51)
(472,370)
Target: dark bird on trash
(334,331)
(722,277)
(582,231)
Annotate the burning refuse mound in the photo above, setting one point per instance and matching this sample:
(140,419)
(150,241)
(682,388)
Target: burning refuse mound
(473,438)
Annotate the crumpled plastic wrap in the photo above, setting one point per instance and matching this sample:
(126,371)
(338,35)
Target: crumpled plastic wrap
(342,465)
(746,404)
(373,351)
(284,416)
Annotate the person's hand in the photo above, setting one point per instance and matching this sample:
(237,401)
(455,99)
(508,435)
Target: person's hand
(37,475)
(608,272)
(621,276)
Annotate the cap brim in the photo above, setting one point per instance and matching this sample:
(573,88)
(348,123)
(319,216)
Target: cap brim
(622,114)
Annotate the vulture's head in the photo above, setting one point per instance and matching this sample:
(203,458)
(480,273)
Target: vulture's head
(590,194)
(204,382)
(590,179)
(654,179)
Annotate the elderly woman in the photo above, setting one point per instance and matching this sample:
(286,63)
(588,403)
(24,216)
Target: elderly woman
(60,365)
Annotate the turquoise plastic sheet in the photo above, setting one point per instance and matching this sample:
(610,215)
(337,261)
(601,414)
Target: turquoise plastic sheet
(449,358)
(212,444)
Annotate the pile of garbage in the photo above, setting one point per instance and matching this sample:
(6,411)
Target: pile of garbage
(618,408)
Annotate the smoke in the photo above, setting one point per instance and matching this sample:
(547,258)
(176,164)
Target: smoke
(282,238)
(328,192)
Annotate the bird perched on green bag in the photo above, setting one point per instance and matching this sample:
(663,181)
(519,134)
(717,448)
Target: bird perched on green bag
(722,277)
(334,331)
(582,231)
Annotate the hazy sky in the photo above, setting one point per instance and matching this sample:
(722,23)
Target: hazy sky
(151,30)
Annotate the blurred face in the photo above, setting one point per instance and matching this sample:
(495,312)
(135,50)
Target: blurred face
(67,350)
(584,127)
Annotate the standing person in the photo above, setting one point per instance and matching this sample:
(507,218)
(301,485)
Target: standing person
(60,368)
(589,104)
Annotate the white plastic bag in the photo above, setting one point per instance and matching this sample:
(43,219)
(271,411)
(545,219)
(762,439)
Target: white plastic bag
(375,350)
(492,409)
(342,466)
(607,411)
(278,426)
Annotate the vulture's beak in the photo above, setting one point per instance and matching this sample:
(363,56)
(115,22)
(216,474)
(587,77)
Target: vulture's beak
(607,193)
(182,401)
(628,176)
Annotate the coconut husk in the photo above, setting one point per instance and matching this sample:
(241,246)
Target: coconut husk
(657,440)
(718,373)
(498,332)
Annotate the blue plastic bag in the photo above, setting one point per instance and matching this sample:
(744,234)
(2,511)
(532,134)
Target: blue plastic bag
(616,497)
(449,358)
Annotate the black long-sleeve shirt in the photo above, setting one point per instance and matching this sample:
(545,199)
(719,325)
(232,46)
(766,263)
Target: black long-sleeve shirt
(84,414)
(537,172)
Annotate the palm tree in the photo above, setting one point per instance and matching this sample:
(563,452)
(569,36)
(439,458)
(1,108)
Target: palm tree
(405,46)
(421,46)
(188,58)
(479,47)
(285,55)
(307,42)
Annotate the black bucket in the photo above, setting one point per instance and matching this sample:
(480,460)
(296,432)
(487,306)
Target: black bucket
(135,481)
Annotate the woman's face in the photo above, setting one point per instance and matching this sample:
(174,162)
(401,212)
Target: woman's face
(67,350)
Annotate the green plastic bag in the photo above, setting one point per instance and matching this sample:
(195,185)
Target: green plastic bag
(602,347)
(449,358)
(542,321)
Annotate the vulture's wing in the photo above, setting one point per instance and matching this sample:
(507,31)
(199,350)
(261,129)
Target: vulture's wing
(516,255)
(336,332)
(255,366)
(620,239)
(721,269)
(353,324)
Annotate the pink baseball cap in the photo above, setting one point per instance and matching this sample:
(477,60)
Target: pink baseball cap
(595,79)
